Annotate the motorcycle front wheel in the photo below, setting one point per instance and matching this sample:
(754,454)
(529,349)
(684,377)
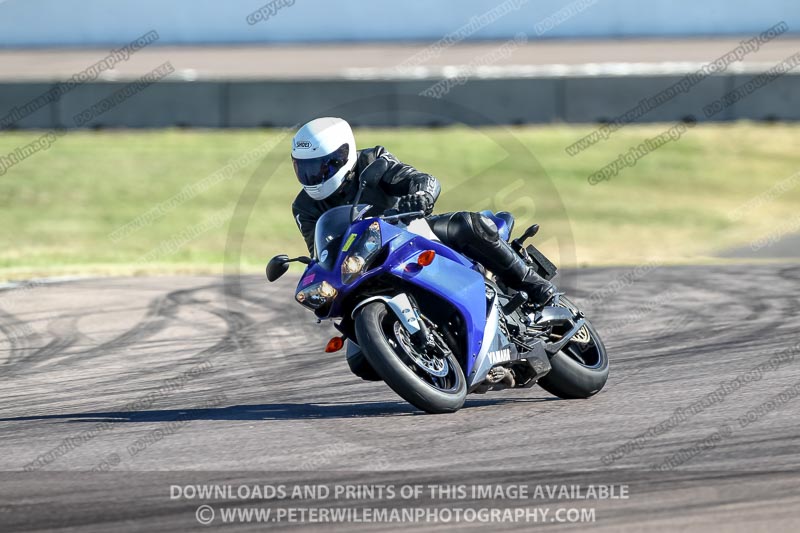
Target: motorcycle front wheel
(433,382)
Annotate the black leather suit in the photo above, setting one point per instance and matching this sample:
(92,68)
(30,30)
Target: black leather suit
(471,234)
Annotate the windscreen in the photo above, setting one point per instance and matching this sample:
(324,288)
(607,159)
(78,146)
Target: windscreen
(328,234)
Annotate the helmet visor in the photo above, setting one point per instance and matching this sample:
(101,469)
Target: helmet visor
(319,169)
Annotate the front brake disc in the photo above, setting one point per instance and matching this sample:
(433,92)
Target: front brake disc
(435,366)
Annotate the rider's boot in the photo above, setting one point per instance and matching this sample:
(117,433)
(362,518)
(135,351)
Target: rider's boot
(523,277)
(499,257)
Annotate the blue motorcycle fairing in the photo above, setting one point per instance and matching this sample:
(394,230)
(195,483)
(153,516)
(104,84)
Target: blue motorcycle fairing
(450,276)
(452,281)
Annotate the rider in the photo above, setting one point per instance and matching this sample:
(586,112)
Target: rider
(329,168)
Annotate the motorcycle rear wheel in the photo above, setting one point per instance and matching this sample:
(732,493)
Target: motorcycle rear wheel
(579,370)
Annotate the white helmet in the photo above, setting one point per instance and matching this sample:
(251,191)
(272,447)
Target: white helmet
(323,153)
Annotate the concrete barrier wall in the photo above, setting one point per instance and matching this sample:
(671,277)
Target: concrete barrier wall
(165,104)
(100,22)
(216,104)
(780,101)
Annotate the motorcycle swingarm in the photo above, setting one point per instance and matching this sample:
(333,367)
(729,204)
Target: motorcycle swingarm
(554,347)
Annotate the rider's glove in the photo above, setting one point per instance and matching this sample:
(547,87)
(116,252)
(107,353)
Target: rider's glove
(419,201)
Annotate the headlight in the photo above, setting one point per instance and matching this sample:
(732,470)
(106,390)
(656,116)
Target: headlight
(352,264)
(317,295)
(362,253)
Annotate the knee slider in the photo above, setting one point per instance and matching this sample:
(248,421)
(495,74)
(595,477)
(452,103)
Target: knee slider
(485,228)
(468,228)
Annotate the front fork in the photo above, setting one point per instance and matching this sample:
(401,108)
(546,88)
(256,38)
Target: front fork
(404,307)
(407,311)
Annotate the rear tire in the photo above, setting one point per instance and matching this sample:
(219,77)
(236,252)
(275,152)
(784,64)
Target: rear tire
(569,378)
(374,324)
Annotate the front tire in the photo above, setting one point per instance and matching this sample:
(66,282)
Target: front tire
(377,334)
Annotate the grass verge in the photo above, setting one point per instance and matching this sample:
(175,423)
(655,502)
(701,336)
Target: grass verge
(61,209)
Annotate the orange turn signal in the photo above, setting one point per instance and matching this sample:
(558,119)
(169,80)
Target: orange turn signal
(426,258)
(334,345)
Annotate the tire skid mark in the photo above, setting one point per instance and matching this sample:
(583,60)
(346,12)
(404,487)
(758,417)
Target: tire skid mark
(790,274)
(19,336)
(162,310)
(759,318)
(292,344)
(63,334)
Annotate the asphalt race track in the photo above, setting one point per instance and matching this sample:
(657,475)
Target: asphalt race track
(171,380)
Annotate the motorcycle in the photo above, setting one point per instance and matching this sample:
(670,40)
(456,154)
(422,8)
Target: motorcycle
(433,324)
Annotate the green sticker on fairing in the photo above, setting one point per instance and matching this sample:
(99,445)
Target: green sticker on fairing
(349,241)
